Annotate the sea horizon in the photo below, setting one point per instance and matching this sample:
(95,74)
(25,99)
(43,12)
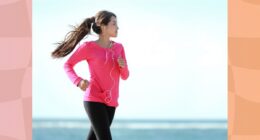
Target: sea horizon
(134,123)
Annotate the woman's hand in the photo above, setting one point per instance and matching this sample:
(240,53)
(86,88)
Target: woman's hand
(121,62)
(83,85)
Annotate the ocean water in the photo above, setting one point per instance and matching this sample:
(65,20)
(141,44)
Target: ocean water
(72,129)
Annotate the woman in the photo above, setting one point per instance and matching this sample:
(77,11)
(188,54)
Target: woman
(107,63)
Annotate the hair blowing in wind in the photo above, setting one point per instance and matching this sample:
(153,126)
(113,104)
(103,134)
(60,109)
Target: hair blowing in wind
(73,37)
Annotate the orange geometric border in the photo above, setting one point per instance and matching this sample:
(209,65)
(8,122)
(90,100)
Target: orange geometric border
(243,70)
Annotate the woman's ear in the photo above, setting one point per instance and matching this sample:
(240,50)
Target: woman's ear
(103,27)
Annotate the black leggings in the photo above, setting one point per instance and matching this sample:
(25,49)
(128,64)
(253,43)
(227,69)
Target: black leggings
(101,117)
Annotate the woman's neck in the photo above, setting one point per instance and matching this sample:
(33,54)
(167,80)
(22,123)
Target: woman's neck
(104,41)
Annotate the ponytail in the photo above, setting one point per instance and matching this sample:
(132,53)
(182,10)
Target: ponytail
(73,38)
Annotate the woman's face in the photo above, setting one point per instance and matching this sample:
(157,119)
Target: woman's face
(111,28)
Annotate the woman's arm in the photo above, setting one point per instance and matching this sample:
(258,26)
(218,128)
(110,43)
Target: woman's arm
(124,72)
(79,55)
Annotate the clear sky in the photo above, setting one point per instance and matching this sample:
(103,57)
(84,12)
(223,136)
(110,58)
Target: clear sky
(176,52)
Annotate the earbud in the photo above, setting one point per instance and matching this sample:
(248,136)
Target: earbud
(108,96)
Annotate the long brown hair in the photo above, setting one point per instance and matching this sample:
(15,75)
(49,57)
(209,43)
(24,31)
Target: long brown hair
(73,37)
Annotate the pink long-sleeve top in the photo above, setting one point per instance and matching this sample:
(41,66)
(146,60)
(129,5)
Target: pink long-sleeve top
(104,71)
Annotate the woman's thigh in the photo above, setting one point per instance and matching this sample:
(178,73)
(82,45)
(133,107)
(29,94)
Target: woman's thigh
(100,119)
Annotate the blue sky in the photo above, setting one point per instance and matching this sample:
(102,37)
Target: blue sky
(176,51)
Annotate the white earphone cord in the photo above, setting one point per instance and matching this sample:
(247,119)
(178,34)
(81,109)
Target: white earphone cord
(109,96)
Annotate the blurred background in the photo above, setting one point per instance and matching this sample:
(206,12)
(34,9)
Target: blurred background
(177,57)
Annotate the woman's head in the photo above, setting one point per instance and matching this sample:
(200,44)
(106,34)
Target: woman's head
(103,23)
